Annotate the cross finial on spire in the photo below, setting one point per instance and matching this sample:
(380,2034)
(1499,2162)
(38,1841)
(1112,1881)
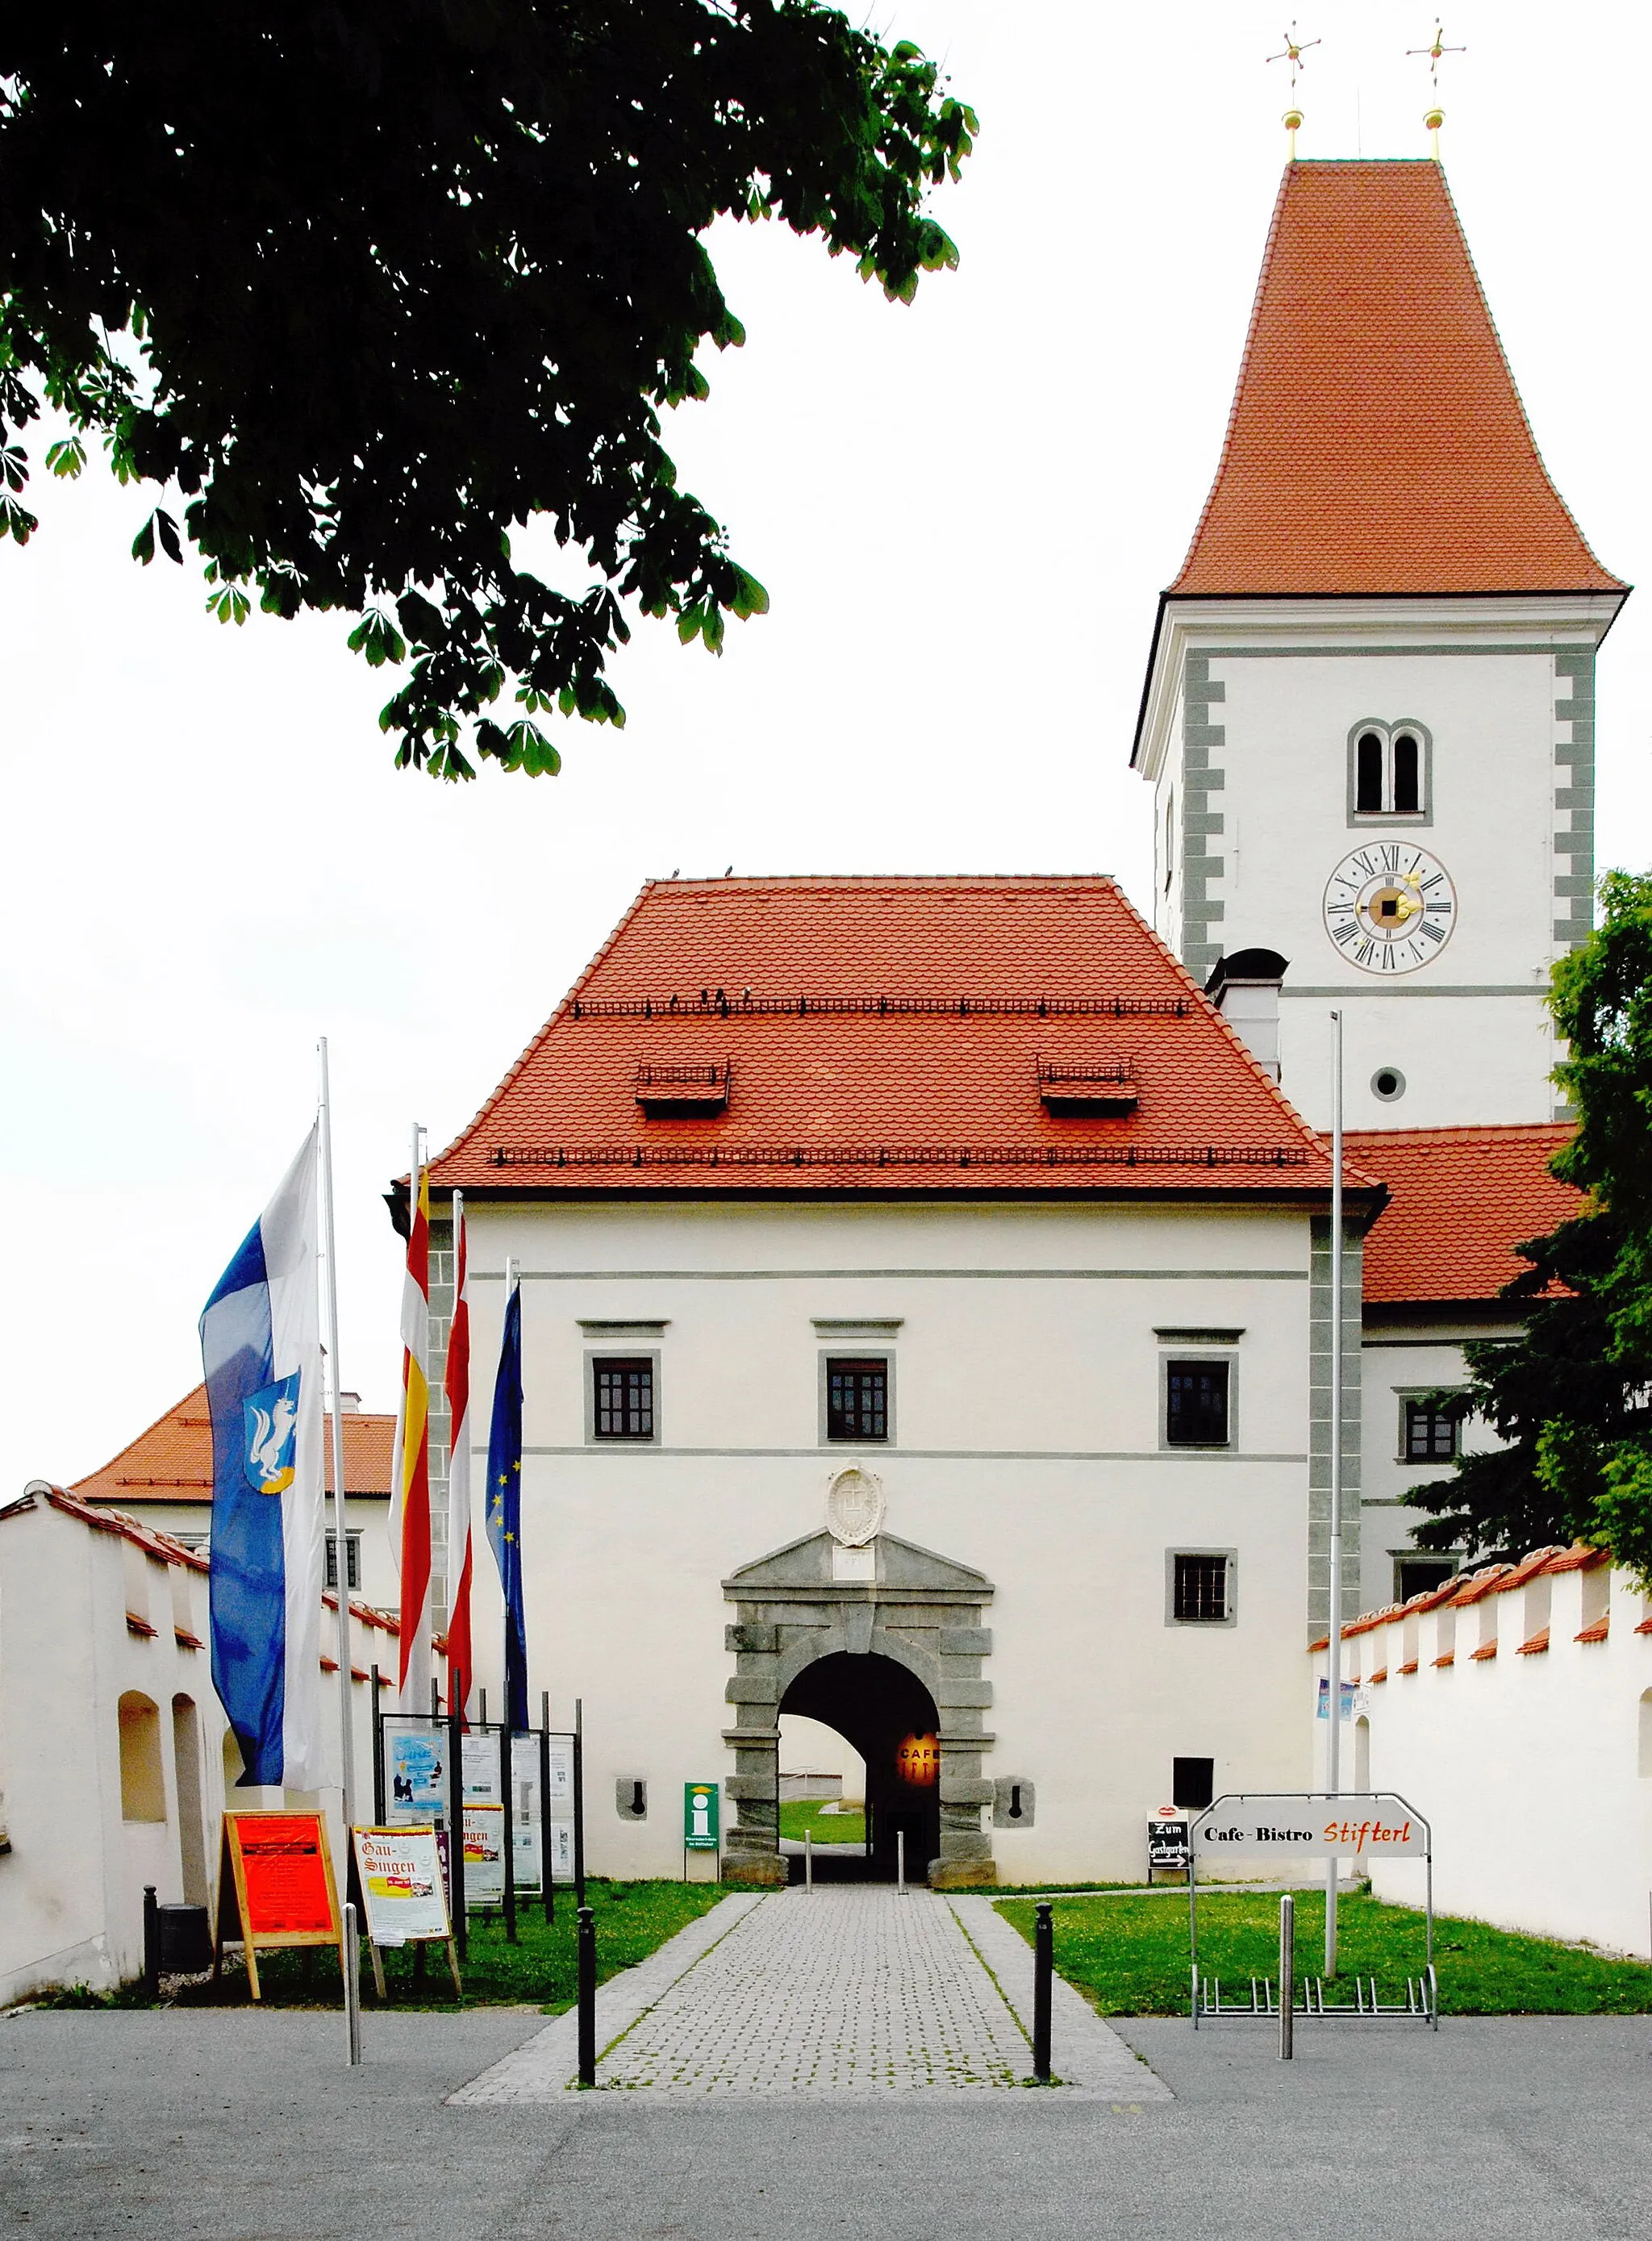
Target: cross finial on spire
(1435,117)
(1436,51)
(1293,51)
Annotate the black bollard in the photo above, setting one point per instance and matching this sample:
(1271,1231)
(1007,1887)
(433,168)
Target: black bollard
(586,1949)
(1043,1969)
(151,1944)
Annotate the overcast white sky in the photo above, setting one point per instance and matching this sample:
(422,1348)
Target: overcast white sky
(964,513)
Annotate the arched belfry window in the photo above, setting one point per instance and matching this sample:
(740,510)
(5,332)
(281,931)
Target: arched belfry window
(1390,772)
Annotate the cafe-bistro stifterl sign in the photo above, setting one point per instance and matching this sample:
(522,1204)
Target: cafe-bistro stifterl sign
(1313,1827)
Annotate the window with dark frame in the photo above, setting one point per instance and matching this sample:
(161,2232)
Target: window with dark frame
(1407,776)
(1418,1576)
(352,1561)
(1368,775)
(1196,1403)
(1388,774)
(623,1398)
(1199,1590)
(1193,1783)
(857,1399)
(1432,1433)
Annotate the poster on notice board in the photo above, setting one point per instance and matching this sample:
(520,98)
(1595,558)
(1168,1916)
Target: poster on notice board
(402,1885)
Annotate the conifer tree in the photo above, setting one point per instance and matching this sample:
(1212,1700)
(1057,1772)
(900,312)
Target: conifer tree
(1572,1396)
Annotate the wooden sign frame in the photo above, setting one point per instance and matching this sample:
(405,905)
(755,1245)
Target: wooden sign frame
(433,1938)
(232,1889)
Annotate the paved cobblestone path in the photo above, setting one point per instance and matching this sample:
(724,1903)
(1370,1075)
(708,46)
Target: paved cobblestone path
(850,1988)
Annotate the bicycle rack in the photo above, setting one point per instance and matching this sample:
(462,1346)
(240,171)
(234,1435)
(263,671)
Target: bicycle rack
(1213,2003)
(1207,2003)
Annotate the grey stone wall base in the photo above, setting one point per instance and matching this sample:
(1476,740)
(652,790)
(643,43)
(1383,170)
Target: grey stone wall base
(962,1874)
(756,1870)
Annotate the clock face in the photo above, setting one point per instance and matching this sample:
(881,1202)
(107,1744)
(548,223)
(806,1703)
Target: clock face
(1390,908)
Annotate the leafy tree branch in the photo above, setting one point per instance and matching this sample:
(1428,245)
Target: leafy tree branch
(368,283)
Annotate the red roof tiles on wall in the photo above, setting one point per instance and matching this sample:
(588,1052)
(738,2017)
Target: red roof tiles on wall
(1474,1587)
(1377,443)
(884,1034)
(173,1460)
(1460,1199)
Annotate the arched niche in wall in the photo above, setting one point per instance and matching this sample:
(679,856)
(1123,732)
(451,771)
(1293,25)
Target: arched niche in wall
(143,1784)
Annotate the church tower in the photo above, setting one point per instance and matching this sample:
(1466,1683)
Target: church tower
(1369,716)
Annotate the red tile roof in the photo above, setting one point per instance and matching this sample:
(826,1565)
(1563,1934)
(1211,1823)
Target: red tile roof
(173,1460)
(1460,1199)
(886,1034)
(1377,443)
(161,1546)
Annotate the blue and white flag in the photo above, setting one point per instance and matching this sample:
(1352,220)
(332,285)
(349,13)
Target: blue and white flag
(261,1346)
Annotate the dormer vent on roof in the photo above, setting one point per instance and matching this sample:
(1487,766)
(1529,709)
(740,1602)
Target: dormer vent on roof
(1096,1090)
(675,1091)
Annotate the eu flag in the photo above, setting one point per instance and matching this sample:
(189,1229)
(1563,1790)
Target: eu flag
(505,1508)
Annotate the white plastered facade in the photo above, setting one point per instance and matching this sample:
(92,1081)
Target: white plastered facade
(1250,709)
(1027,1351)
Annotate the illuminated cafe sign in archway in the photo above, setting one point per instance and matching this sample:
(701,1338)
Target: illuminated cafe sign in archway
(918,1761)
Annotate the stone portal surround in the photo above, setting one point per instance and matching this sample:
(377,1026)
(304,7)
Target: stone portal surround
(921,1611)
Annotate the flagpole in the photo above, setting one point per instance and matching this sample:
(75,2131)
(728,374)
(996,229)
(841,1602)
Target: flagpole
(456,1383)
(512,1278)
(346,1741)
(1333,1691)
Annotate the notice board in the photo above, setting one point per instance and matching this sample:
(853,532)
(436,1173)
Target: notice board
(276,1886)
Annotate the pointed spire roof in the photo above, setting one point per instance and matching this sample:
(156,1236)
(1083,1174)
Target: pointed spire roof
(1377,443)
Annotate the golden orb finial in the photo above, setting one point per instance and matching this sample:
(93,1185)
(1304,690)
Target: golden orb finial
(1434,53)
(1292,121)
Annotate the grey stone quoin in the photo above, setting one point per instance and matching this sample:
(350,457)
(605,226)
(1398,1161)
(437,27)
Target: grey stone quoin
(922,1611)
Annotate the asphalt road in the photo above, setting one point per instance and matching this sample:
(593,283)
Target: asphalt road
(248,2127)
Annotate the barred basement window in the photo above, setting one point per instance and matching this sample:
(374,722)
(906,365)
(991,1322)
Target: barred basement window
(1196,1404)
(1432,1433)
(624,1399)
(1200,1591)
(857,1400)
(352,1561)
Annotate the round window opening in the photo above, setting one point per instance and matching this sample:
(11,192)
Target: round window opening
(1388,1083)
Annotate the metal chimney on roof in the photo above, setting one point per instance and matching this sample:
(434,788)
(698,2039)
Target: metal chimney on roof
(1245,990)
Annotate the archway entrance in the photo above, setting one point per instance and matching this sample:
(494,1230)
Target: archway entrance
(888,1714)
(887,1645)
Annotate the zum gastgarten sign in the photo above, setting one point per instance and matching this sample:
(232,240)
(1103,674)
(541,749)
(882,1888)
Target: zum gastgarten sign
(1310,1827)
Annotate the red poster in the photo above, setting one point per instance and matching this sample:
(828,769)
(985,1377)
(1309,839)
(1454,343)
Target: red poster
(284,1863)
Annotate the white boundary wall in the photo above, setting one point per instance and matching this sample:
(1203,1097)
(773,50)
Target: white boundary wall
(95,1607)
(1534,1763)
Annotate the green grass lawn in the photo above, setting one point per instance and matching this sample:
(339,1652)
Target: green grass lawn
(1128,1956)
(631,1919)
(797,1814)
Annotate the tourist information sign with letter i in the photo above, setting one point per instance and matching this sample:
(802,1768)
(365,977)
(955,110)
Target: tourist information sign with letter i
(700,1816)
